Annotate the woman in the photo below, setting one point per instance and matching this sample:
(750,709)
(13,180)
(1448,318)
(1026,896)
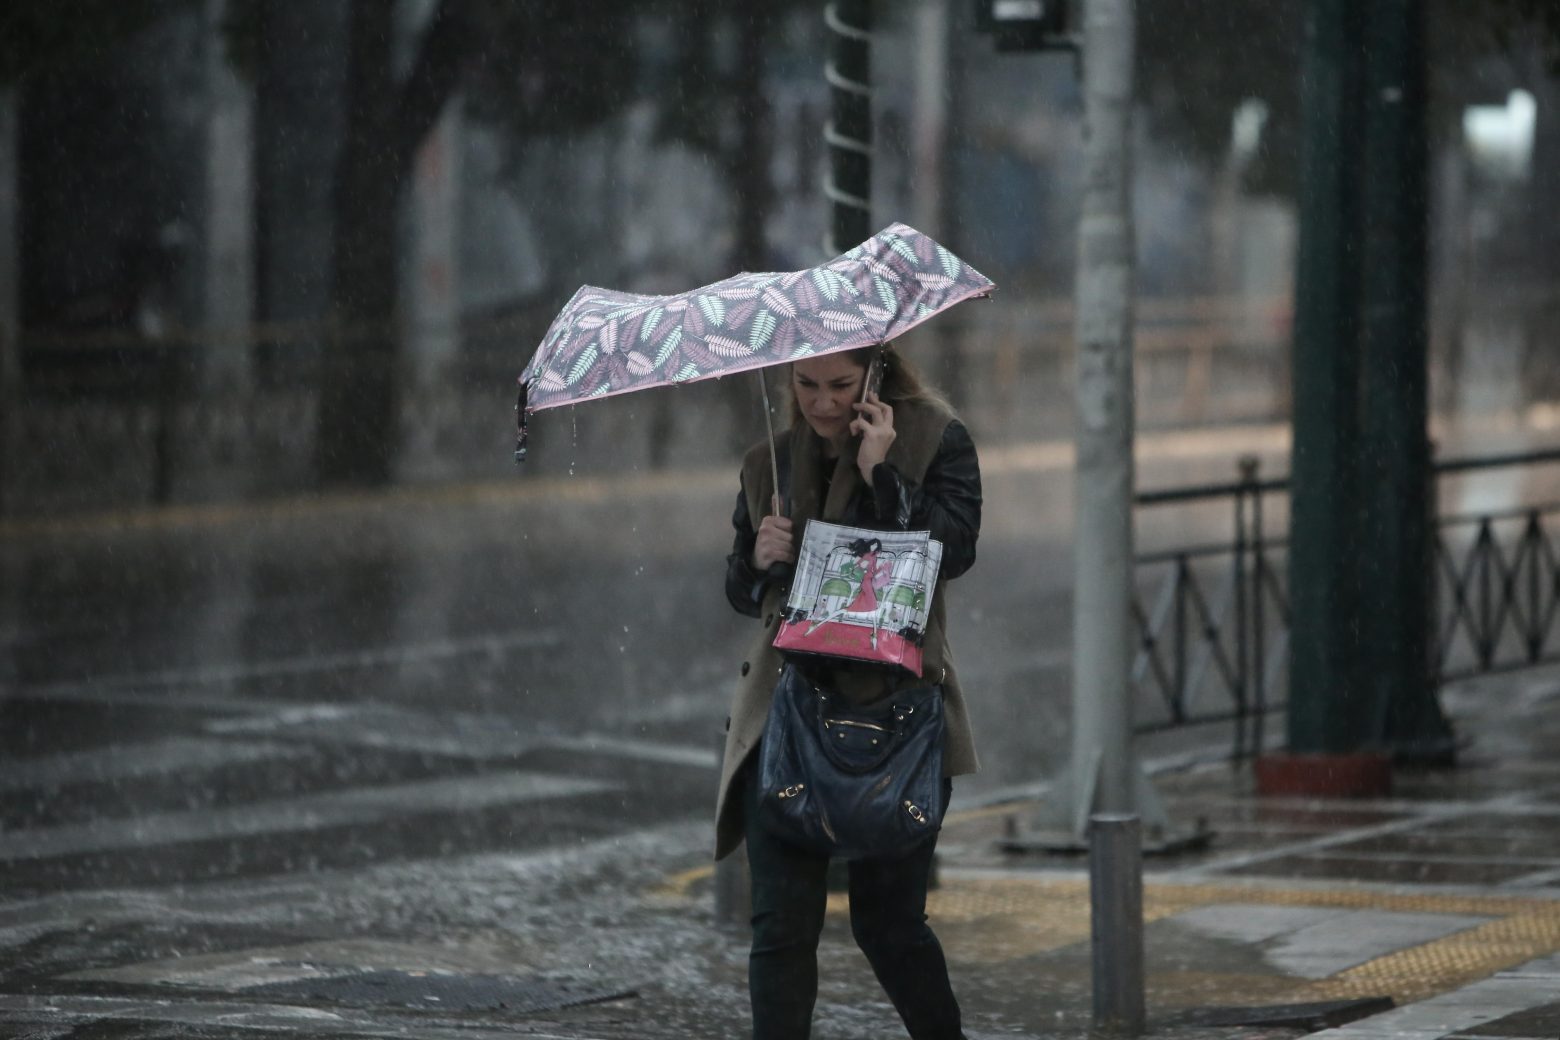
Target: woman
(897,461)
(874,574)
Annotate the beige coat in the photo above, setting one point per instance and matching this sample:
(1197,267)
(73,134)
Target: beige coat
(919,428)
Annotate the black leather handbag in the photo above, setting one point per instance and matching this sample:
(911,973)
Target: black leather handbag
(850,783)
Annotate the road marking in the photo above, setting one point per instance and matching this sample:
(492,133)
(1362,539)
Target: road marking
(456,734)
(326,958)
(124,761)
(306,813)
(642,750)
(304,664)
(230,1017)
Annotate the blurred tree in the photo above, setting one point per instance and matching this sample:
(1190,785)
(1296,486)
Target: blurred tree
(1544,15)
(40,34)
(714,102)
(1199,62)
(387,117)
(534,68)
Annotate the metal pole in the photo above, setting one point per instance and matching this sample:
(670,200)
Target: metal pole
(849,130)
(1103,774)
(1394,383)
(1327,714)
(1103,770)
(1116,922)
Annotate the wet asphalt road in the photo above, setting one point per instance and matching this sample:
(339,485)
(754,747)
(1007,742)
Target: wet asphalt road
(455,727)
(368,688)
(249,692)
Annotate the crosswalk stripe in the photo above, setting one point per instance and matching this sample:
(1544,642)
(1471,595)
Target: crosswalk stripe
(126,761)
(306,813)
(105,687)
(642,750)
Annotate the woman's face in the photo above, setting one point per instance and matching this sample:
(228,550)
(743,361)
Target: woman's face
(826,388)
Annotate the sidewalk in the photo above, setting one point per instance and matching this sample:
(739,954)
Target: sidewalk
(1444,898)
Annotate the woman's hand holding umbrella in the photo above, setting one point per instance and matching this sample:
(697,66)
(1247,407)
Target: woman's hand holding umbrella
(775,542)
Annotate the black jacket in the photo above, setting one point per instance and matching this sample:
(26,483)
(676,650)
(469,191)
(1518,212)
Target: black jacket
(947,503)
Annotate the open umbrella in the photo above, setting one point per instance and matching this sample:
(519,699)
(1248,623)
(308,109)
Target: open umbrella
(606,342)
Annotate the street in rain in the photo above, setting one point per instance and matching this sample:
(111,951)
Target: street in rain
(376,381)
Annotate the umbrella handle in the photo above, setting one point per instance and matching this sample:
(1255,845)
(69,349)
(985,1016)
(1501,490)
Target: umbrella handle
(520,424)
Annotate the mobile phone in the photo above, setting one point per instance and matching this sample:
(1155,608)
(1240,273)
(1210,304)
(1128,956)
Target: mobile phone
(874,381)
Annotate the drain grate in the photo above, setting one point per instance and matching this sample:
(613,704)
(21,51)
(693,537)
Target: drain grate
(1326,1014)
(1535,1023)
(441,991)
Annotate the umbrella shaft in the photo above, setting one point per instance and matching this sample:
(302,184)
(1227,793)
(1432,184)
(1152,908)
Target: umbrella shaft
(769,425)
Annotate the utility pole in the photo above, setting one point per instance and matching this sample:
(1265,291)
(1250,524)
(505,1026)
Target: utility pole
(1361,538)
(849,130)
(939,32)
(1104,775)
(1327,710)
(1103,765)
(1396,558)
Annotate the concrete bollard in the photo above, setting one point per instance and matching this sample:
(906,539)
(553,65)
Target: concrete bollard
(1116,918)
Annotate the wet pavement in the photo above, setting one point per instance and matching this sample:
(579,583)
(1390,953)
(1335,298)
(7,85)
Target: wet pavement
(387,767)
(615,937)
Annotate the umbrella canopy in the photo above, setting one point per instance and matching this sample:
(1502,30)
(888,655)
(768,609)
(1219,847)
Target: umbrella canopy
(606,342)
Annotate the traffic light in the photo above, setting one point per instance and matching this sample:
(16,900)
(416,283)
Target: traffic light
(1024,25)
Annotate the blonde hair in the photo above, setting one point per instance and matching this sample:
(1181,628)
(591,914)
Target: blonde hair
(902,380)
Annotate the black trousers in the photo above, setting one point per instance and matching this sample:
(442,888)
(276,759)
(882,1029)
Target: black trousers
(887,918)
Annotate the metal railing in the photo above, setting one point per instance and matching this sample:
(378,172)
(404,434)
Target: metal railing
(1216,622)
(1213,620)
(1500,590)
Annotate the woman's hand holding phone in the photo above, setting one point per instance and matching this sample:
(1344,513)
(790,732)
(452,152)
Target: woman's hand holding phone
(874,423)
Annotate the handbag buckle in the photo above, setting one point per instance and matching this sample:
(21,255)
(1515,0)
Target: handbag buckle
(915,812)
(792,791)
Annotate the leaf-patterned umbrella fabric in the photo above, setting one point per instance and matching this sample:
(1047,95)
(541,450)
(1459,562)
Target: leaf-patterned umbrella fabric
(606,342)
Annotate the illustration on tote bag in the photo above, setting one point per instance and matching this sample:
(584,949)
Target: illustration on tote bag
(860,594)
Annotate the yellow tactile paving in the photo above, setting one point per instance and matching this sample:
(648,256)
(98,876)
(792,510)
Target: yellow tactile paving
(993,920)
(1019,917)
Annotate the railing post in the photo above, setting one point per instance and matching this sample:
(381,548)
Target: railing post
(1433,552)
(1258,615)
(1248,475)
(1534,535)
(1178,694)
(1485,548)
